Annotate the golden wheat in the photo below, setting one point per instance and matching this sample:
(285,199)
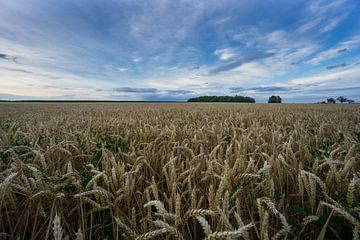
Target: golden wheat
(179,171)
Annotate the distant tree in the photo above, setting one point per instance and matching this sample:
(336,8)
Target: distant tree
(331,100)
(274,99)
(342,99)
(350,101)
(222,99)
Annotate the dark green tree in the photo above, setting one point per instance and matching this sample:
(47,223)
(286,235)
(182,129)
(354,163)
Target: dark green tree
(274,99)
(222,99)
(342,99)
(331,100)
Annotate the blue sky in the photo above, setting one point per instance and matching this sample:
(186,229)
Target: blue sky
(304,51)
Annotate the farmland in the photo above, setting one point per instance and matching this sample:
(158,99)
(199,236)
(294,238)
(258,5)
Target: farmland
(179,171)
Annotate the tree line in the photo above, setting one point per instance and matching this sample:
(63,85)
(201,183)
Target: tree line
(241,99)
(340,99)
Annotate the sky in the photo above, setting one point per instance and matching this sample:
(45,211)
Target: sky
(161,50)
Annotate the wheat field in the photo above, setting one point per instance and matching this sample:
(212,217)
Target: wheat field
(179,171)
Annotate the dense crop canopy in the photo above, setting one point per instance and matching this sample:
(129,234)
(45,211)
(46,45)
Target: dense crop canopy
(179,171)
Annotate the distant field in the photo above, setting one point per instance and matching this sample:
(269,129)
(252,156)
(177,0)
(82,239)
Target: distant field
(179,171)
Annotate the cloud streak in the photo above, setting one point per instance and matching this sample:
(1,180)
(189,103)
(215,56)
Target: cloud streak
(266,89)
(342,48)
(336,66)
(7,57)
(239,62)
(135,90)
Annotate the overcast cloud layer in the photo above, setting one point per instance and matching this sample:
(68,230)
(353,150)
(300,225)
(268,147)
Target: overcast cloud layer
(304,51)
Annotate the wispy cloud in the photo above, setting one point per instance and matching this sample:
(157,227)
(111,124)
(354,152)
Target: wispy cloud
(152,90)
(343,47)
(266,89)
(347,75)
(122,69)
(336,66)
(325,15)
(179,92)
(239,62)
(225,54)
(152,94)
(135,90)
(311,24)
(332,24)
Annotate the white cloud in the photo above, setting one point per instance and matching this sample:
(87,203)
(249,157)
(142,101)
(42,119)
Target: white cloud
(323,16)
(289,52)
(120,69)
(221,21)
(278,37)
(325,55)
(253,70)
(248,35)
(18,78)
(350,75)
(136,59)
(310,25)
(225,54)
(319,7)
(332,24)
(333,52)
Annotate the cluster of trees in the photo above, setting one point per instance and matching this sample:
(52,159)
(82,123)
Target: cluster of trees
(223,99)
(274,99)
(340,99)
